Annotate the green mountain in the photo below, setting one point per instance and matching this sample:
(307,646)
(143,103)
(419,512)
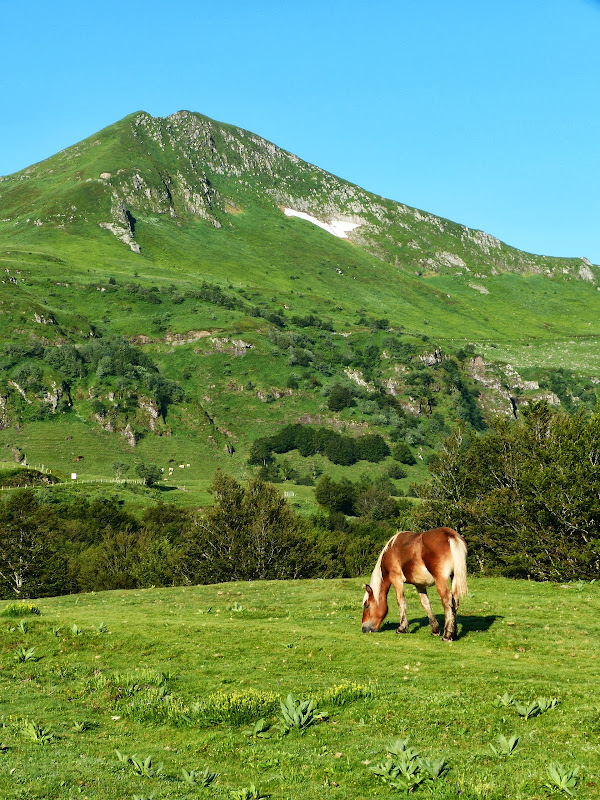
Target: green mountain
(174,289)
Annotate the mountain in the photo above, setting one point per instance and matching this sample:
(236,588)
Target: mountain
(175,288)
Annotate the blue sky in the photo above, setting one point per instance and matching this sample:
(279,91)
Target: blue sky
(487,113)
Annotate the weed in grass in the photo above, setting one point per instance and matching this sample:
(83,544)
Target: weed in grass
(140,766)
(36,733)
(102,628)
(19,609)
(300,714)
(405,770)
(505,700)
(235,708)
(249,793)
(199,778)
(142,695)
(505,747)
(76,630)
(561,778)
(535,707)
(346,693)
(527,710)
(22,626)
(24,654)
(260,730)
(80,727)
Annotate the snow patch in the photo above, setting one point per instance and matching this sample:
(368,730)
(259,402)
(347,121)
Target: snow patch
(336,227)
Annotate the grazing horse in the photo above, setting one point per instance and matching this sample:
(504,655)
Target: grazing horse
(422,559)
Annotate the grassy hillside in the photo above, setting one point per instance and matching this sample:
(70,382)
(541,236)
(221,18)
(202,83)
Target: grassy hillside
(169,234)
(182,676)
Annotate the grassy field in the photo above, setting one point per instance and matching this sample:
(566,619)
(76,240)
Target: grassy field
(181,675)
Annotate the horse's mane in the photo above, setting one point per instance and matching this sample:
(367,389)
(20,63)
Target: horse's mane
(377,575)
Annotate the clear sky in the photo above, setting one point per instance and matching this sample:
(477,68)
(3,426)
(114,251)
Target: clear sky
(481,111)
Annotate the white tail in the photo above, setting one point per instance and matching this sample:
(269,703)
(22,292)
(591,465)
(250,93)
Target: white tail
(458,548)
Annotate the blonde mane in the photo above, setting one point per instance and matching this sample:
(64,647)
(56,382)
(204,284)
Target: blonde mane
(377,575)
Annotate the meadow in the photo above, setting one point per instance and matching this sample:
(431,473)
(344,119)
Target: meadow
(96,684)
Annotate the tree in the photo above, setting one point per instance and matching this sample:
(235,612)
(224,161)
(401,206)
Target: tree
(250,533)
(261,452)
(373,447)
(31,561)
(149,473)
(335,496)
(375,504)
(120,468)
(342,450)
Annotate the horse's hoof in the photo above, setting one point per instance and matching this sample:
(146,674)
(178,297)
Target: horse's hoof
(447,638)
(435,633)
(401,630)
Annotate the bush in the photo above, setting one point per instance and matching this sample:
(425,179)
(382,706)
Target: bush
(404,454)
(396,472)
(339,398)
(373,447)
(526,494)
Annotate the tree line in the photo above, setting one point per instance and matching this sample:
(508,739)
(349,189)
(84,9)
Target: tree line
(525,494)
(75,544)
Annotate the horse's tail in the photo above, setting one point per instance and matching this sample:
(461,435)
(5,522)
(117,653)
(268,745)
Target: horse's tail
(458,549)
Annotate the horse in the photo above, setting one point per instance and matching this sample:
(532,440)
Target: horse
(421,559)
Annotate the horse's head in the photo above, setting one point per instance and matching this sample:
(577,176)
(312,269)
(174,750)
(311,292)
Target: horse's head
(374,611)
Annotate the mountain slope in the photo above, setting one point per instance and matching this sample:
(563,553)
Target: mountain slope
(202,245)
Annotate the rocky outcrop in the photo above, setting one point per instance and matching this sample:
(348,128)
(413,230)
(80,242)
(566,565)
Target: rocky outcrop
(150,408)
(234,347)
(56,394)
(44,319)
(122,224)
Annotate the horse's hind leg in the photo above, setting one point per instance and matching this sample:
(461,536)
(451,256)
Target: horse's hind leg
(449,609)
(424,598)
(400,596)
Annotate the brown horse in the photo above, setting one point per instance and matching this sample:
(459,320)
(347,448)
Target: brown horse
(422,559)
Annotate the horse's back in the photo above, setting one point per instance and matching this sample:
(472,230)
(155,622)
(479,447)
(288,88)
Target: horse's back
(422,557)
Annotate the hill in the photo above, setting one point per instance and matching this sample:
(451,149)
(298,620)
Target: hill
(176,288)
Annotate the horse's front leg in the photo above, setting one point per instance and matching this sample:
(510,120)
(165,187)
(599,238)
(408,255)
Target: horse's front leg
(449,610)
(400,596)
(424,598)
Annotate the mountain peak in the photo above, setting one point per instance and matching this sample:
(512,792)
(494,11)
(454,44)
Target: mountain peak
(187,167)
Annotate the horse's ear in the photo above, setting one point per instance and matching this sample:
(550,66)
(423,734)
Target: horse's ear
(369,590)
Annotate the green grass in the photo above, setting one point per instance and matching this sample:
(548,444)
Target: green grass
(180,675)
